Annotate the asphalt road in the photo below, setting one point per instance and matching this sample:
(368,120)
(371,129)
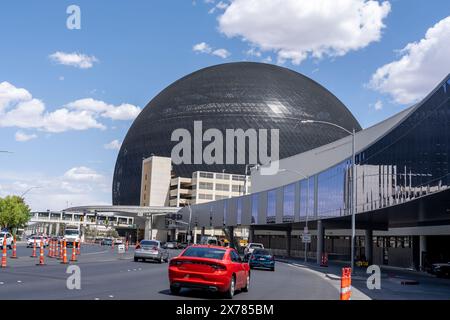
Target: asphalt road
(107,276)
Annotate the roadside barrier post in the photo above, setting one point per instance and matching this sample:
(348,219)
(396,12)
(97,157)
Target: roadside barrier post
(33,255)
(64,258)
(58,252)
(324,261)
(346,284)
(74,249)
(78,247)
(50,249)
(14,252)
(112,245)
(41,253)
(4,253)
(126,245)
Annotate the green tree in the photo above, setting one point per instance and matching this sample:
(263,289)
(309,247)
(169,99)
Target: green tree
(14,213)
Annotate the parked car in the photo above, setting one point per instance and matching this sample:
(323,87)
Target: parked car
(30,241)
(262,258)
(151,250)
(118,241)
(107,242)
(9,239)
(250,247)
(441,270)
(171,245)
(211,268)
(182,245)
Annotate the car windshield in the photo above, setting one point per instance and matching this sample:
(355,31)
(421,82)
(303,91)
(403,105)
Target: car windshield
(71,232)
(209,253)
(262,252)
(149,243)
(256,245)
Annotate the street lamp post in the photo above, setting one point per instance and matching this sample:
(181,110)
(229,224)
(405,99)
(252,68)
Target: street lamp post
(28,190)
(353,202)
(307,204)
(189,226)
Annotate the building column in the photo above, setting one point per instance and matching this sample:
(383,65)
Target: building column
(320,241)
(203,231)
(231,230)
(289,241)
(57,229)
(251,234)
(50,229)
(422,250)
(369,245)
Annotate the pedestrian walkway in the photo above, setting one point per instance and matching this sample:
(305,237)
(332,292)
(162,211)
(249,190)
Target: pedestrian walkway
(397,284)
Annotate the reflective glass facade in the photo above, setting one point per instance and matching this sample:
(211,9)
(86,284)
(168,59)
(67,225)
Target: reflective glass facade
(239,211)
(242,95)
(307,198)
(289,203)
(271,206)
(255,208)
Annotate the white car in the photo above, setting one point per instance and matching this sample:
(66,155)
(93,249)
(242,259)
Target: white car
(30,241)
(9,239)
(251,247)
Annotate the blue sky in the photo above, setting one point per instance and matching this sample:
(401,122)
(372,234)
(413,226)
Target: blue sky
(140,47)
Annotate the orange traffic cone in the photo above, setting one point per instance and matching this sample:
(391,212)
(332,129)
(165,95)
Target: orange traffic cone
(58,249)
(126,245)
(33,255)
(74,248)
(4,253)
(14,252)
(112,245)
(78,247)
(64,257)
(50,249)
(41,253)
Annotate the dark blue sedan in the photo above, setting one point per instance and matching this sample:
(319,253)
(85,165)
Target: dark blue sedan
(262,258)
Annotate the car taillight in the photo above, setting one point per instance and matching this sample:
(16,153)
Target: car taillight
(138,246)
(155,248)
(176,262)
(218,267)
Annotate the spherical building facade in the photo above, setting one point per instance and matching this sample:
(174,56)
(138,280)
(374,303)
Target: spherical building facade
(242,95)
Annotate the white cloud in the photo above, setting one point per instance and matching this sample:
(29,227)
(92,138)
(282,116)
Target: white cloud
(82,174)
(75,187)
(113,145)
(419,69)
(378,105)
(222,53)
(203,47)
(74,59)
(19,109)
(219,6)
(124,111)
(23,137)
(296,29)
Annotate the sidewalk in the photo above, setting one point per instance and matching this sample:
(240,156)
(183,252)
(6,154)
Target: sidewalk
(396,284)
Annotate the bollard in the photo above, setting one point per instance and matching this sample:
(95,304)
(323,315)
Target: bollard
(346,284)
(112,245)
(41,253)
(50,249)
(14,252)
(74,248)
(324,260)
(4,253)
(64,257)
(33,255)
(78,247)
(126,245)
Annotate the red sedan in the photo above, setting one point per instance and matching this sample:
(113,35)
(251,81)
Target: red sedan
(210,268)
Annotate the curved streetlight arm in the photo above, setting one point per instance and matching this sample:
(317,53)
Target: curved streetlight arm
(328,123)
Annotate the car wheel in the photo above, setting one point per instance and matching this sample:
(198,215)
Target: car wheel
(272,269)
(136,259)
(161,260)
(174,290)
(247,285)
(230,292)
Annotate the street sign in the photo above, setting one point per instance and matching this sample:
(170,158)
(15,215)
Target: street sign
(121,248)
(306,238)
(188,237)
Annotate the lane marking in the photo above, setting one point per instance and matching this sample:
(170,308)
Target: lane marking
(111,296)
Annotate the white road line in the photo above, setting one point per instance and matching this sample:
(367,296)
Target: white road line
(2,283)
(111,296)
(19,281)
(92,253)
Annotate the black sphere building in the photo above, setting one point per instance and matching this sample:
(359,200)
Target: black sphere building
(240,95)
